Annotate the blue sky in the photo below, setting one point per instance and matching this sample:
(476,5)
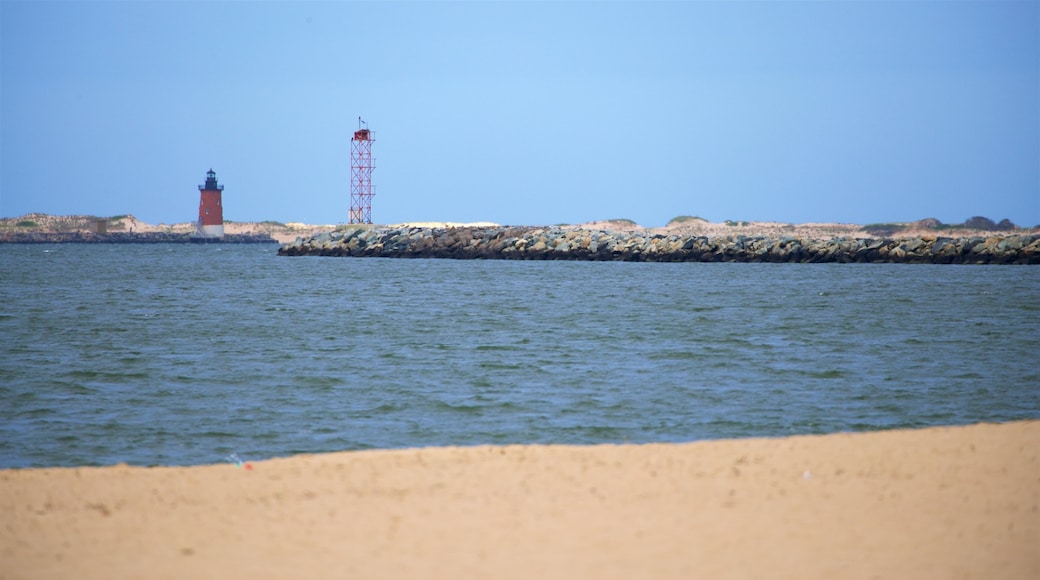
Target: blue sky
(525,113)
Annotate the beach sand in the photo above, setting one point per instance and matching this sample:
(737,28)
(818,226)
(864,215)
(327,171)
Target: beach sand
(951,502)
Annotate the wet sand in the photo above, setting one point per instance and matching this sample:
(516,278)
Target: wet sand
(946,502)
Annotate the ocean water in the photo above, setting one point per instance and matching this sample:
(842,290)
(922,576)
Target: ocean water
(185,354)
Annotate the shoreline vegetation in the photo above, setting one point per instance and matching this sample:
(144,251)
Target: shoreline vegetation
(938,502)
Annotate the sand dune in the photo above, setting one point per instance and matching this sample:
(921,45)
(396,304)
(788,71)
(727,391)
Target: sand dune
(933,503)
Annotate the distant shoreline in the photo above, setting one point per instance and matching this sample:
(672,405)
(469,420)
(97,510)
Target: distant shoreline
(148,237)
(128,229)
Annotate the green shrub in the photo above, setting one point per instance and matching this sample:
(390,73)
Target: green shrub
(685,218)
(883,229)
(980,223)
(929,223)
(27,224)
(730,223)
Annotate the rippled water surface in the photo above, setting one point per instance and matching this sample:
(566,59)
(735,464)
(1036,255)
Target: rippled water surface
(183,354)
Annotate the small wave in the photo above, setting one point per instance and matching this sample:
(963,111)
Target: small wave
(495,347)
(827,374)
(36,413)
(675,355)
(463,408)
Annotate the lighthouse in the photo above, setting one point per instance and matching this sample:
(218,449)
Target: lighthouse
(211,212)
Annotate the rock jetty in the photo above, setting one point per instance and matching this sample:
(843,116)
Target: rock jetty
(569,243)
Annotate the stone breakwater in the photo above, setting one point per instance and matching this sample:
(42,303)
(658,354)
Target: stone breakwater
(128,238)
(561,243)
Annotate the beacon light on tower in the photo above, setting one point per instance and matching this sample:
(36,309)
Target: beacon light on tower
(361,175)
(211,212)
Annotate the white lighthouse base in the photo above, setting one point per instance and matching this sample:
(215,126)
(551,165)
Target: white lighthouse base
(211,231)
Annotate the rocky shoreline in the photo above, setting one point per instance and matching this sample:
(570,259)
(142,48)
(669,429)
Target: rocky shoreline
(567,243)
(128,238)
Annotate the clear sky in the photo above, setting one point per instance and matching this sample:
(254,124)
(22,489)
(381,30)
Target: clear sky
(525,113)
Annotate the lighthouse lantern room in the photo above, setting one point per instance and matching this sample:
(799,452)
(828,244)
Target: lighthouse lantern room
(211,212)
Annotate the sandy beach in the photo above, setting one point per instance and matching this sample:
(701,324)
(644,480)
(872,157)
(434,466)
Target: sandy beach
(951,502)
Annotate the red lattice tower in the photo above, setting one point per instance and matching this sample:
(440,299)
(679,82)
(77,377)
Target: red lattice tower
(361,175)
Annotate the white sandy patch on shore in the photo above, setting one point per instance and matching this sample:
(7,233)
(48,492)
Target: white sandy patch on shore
(444,225)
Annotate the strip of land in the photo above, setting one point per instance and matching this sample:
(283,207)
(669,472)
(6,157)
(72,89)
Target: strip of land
(950,502)
(76,227)
(682,240)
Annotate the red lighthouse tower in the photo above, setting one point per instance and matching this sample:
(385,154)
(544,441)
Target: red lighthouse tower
(211,212)
(361,175)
